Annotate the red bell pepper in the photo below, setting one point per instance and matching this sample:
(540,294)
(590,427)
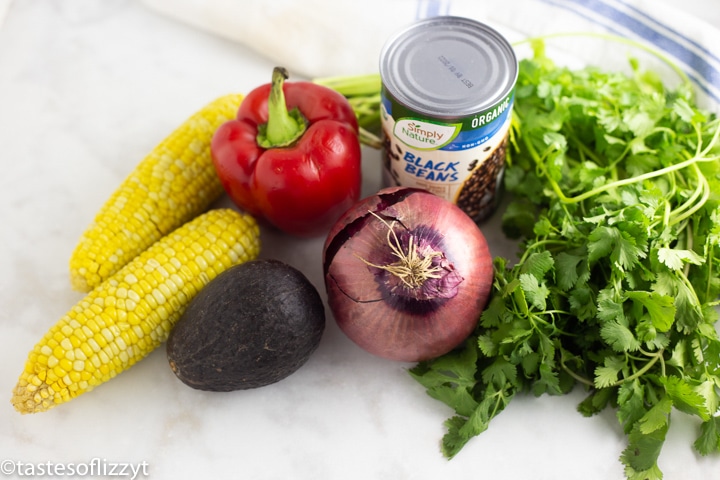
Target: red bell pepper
(292,155)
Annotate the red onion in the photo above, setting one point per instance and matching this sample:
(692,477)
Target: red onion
(407,274)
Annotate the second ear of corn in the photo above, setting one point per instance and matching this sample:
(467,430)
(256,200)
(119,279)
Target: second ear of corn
(131,313)
(173,184)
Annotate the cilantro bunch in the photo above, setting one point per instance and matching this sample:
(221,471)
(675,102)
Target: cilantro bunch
(614,182)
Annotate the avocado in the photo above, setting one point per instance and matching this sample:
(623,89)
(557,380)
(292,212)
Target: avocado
(254,324)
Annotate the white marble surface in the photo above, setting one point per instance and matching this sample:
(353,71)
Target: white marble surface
(87,88)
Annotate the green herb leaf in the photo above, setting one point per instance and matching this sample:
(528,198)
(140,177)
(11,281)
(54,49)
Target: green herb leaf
(684,398)
(643,451)
(613,182)
(570,269)
(660,308)
(535,292)
(620,245)
(538,264)
(631,404)
(451,378)
(676,259)
(619,336)
(709,440)
(608,374)
(657,417)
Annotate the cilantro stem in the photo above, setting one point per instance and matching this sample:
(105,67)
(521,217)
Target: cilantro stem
(691,289)
(363,94)
(574,375)
(703,189)
(539,243)
(710,265)
(536,317)
(626,181)
(701,155)
(711,143)
(654,357)
(689,241)
(668,210)
(541,166)
(583,149)
(561,312)
(619,259)
(500,398)
(352,85)
(619,159)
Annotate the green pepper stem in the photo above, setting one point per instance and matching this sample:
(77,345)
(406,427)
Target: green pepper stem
(283,127)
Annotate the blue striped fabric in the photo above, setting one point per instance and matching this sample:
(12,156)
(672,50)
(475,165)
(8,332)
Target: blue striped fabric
(622,18)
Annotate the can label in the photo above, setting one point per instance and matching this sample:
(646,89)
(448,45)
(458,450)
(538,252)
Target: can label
(461,159)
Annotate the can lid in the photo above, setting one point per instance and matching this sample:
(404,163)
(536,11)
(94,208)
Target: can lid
(448,66)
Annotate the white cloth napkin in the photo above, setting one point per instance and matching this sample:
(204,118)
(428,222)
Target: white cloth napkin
(319,38)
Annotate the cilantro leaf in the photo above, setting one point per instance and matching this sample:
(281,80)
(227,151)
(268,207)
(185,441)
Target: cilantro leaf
(660,308)
(657,417)
(538,264)
(518,218)
(462,429)
(548,381)
(709,440)
(582,303)
(620,245)
(608,373)
(676,259)
(619,336)
(708,390)
(608,308)
(684,110)
(499,372)
(643,450)
(600,243)
(494,313)
(639,123)
(614,182)
(631,404)
(684,398)
(596,402)
(688,312)
(570,269)
(535,291)
(652,473)
(451,378)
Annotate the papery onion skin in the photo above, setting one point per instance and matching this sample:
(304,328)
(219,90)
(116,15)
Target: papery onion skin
(372,312)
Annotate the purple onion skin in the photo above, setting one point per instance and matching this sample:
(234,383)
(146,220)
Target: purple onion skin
(377,310)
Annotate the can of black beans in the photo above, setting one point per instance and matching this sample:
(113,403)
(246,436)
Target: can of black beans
(448,87)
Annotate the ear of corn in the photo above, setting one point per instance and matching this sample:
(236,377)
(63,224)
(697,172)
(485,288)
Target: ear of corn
(173,184)
(131,313)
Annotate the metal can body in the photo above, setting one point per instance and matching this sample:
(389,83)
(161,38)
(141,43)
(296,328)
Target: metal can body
(447,95)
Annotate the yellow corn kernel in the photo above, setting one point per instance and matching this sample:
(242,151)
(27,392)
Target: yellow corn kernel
(68,361)
(173,184)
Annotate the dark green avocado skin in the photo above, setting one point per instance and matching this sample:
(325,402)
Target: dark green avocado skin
(253,325)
